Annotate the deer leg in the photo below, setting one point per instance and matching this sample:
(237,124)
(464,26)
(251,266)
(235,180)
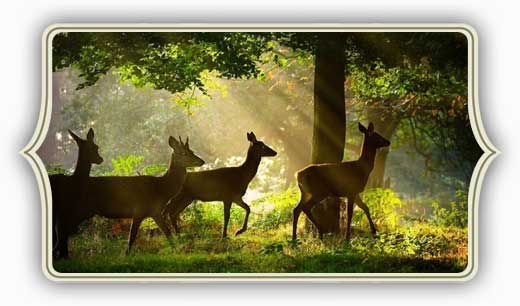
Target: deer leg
(136,222)
(63,242)
(364,207)
(227,211)
(350,210)
(243,204)
(161,223)
(55,237)
(296,214)
(178,204)
(305,205)
(167,213)
(307,209)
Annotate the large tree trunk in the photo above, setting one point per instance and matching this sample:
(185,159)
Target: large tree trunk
(377,177)
(385,123)
(329,117)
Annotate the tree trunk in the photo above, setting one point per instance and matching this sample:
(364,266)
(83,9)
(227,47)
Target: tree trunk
(385,123)
(378,173)
(329,117)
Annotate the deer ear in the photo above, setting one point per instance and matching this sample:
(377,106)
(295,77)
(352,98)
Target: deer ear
(251,137)
(362,128)
(74,136)
(172,142)
(90,135)
(370,127)
(187,143)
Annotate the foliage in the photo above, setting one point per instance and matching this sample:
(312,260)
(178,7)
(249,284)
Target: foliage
(275,210)
(126,165)
(57,169)
(412,89)
(170,61)
(384,208)
(155,169)
(431,104)
(456,215)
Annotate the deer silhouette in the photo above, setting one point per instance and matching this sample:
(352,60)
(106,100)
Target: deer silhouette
(139,197)
(69,193)
(227,184)
(345,179)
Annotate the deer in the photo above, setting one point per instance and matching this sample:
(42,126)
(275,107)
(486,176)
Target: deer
(228,185)
(345,179)
(139,197)
(69,192)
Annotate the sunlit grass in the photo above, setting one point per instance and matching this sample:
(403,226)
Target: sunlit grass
(256,252)
(418,246)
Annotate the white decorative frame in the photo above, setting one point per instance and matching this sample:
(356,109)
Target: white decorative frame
(490,152)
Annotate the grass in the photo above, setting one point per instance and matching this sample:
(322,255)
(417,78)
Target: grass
(400,246)
(267,252)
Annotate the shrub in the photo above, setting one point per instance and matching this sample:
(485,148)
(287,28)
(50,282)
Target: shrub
(126,165)
(155,169)
(57,169)
(384,205)
(456,215)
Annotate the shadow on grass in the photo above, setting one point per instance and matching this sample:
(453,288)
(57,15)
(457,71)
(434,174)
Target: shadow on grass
(248,262)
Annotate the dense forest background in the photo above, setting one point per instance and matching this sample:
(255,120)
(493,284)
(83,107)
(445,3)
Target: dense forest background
(136,89)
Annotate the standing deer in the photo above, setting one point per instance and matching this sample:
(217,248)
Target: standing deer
(69,193)
(345,179)
(224,184)
(139,197)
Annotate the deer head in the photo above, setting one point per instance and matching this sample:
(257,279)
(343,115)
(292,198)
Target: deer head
(184,156)
(372,138)
(88,146)
(258,148)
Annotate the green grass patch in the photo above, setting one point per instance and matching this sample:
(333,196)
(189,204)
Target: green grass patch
(400,246)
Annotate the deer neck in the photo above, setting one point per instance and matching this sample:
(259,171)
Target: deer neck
(250,165)
(83,166)
(367,158)
(175,169)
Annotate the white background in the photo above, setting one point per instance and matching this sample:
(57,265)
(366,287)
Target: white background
(23,22)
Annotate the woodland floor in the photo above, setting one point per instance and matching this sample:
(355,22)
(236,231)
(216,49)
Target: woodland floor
(421,248)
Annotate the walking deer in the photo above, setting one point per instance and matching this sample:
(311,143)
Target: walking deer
(69,192)
(345,179)
(139,197)
(224,184)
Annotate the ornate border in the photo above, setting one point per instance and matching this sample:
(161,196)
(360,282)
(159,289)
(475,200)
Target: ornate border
(490,153)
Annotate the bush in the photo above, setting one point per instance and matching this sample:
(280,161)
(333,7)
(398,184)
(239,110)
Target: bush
(456,215)
(383,205)
(126,165)
(155,169)
(57,169)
